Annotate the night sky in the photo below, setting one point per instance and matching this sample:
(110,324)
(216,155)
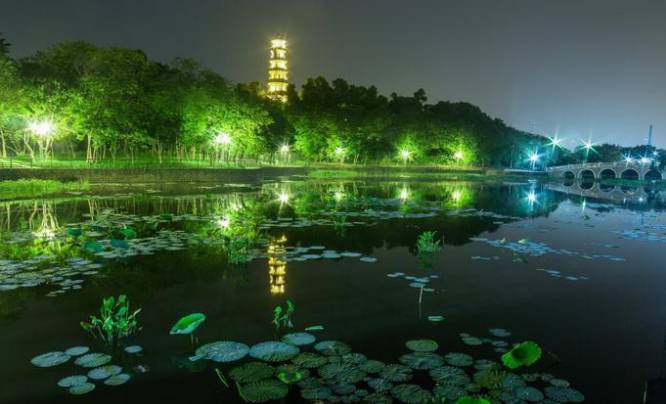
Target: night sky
(584,68)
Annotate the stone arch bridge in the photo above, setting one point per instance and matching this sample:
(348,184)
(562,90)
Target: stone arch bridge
(601,171)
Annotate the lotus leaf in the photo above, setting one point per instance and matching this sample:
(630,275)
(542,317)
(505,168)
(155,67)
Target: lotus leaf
(458,359)
(449,376)
(523,354)
(77,350)
(411,394)
(50,359)
(262,391)
(188,324)
(472,400)
(564,394)
(298,338)
(310,360)
(396,373)
(372,366)
(93,360)
(223,351)
(117,380)
(422,360)
(499,332)
(104,372)
(380,384)
(422,345)
(81,389)
(133,349)
(71,381)
(251,372)
(332,348)
(448,392)
(273,351)
(529,394)
(317,393)
(344,389)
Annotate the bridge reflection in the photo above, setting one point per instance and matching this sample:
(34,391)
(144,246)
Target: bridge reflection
(616,193)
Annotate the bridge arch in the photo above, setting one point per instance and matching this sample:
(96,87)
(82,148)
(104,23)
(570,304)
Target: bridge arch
(587,175)
(607,174)
(653,175)
(630,174)
(568,175)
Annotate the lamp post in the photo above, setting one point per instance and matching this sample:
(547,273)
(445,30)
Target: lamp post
(43,130)
(458,156)
(284,150)
(405,155)
(223,140)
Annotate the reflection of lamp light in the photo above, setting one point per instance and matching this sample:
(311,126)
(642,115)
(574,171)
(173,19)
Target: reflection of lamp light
(224,222)
(458,155)
(283,197)
(456,195)
(339,151)
(277,265)
(404,194)
(339,195)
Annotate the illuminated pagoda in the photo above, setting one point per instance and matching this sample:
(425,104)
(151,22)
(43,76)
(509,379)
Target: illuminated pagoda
(278,75)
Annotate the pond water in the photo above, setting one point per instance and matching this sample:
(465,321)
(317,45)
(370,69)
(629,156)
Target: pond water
(581,277)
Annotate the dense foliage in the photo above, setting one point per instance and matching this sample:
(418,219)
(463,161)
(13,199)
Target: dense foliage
(103,104)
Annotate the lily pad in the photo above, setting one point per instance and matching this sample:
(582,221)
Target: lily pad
(262,391)
(71,381)
(188,324)
(449,376)
(564,394)
(133,349)
(499,332)
(523,354)
(273,351)
(310,360)
(223,351)
(93,360)
(117,380)
(332,348)
(422,360)
(298,338)
(104,372)
(81,389)
(422,345)
(372,366)
(251,372)
(529,394)
(291,376)
(50,359)
(458,359)
(77,350)
(411,394)
(396,373)
(380,384)
(317,393)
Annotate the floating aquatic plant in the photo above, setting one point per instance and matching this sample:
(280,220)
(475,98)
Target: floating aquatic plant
(262,391)
(472,400)
(81,389)
(188,324)
(115,323)
(251,372)
(273,351)
(396,373)
(309,360)
(298,338)
(411,394)
(50,359)
(331,348)
(71,381)
(524,354)
(117,380)
(104,372)
(422,360)
(427,244)
(222,351)
(290,376)
(92,360)
(422,345)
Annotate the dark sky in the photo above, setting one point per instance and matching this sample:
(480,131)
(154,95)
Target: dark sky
(584,68)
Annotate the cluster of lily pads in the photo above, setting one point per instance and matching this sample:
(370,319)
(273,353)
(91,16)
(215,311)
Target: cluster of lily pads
(329,371)
(536,249)
(469,212)
(314,252)
(647,232)
(95,367)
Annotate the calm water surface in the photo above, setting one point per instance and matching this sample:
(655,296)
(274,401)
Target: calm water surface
(582,277)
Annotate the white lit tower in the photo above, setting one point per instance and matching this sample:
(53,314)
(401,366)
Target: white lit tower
(278,74)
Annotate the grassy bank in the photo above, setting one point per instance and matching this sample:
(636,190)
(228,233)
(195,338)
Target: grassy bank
(35,188)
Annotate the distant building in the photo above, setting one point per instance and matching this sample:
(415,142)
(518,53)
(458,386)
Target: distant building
(278,74)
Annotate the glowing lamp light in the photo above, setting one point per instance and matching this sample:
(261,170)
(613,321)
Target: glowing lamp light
(339,151)
(405,154)
(588,145)
(41,128)
(283,197)
(339,195)
(534,157)
(628,159)
(645,160)
(531,197)
(223,138)
(456,195)
(555,141)
(224,222)
(458,155)
(284,149)
(404,194)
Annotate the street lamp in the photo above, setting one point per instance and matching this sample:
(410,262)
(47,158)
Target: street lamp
(534,158)
(41,128)
(458,155)
(340,153)
(223,138)
(405,155)
(284,149)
